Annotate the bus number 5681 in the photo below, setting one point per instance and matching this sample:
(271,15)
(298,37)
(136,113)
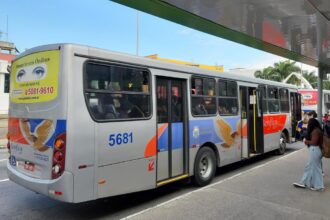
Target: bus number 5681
(120,138)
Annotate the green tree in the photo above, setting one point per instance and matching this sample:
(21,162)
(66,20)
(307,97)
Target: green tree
(266,73)
(285,68)
(326,85)
(310,77)
(279,72)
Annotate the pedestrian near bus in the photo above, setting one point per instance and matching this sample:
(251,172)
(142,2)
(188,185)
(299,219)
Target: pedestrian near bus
(312,177)
(326,127)
(302,127)
(313,114)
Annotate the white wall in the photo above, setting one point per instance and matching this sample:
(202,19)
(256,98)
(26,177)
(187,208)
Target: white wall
(4,97)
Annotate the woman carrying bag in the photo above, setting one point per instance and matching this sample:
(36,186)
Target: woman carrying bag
(312,177)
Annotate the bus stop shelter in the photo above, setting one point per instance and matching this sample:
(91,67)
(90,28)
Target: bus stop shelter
(295,29)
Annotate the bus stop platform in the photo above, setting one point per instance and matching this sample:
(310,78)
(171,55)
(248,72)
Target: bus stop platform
(262,192)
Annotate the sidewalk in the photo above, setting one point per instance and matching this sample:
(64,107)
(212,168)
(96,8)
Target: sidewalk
(3,143)
(263,192)
(3,131)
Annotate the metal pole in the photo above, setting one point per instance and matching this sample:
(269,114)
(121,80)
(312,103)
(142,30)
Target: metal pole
(320,93)
(7,28)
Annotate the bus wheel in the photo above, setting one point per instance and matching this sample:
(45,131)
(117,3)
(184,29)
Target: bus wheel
(282,145)
(205,165)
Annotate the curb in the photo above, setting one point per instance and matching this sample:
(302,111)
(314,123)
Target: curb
(3,143)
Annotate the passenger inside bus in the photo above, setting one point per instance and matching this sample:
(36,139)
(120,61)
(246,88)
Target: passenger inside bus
(94,107)
(200,108)
(176,113)
(125,108)
(223,110)
(113,105)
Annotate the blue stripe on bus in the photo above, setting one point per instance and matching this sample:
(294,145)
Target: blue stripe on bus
(177,135)
(34,123)
(232,122)
(163,141)
(201,131)
(60,128)
(177,138)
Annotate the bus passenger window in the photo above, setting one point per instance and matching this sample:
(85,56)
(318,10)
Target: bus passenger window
(284,100)
(200,109)
(114,86)
(122,92)
(273,100)
(228,102)
(94,106)
(203,101)
(145,83)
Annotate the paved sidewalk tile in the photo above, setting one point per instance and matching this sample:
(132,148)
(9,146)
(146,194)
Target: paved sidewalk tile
(263,192)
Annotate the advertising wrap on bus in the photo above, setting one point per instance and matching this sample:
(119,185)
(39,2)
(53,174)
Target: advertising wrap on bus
(34,131)
(32,143)
(34,78)
(309,99)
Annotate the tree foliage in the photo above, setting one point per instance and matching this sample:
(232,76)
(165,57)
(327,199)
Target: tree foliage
(279,72)
(310,77)
(282,70)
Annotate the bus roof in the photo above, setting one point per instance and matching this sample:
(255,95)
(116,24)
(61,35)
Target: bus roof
(103,54)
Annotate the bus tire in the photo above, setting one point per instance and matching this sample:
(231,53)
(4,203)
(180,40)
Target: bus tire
(204,167)
(282,146)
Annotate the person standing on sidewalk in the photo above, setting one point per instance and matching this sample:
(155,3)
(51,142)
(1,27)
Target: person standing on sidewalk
(312,177)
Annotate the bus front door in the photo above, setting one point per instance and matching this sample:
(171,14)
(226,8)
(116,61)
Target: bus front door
(252,139)
(172,149)
(244,130)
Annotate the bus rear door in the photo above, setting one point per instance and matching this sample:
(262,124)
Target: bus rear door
(172,144)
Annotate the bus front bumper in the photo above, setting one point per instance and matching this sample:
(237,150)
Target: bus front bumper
(63,186)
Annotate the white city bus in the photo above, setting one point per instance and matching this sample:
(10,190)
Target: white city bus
(87,123)
(309,100)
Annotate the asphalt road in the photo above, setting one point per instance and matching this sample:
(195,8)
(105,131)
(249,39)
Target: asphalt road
(17,202)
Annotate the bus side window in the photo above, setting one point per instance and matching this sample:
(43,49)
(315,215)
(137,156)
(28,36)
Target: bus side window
(203,99)
(94,106)
(123,92)
(227,99)
(200,110)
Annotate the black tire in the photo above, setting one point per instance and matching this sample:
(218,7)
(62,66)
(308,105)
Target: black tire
(204,167)
(282,145)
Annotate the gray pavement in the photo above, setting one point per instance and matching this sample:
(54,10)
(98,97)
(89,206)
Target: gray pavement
(259,188)
(263,192)
(3,131)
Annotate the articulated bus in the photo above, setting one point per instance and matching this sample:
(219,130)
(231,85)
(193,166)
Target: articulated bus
(309,100)
(86,123)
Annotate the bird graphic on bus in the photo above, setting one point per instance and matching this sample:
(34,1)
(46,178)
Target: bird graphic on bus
(228,135)
(40,135)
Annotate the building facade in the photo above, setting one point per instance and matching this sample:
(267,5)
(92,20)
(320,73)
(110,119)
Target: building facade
(6,56)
